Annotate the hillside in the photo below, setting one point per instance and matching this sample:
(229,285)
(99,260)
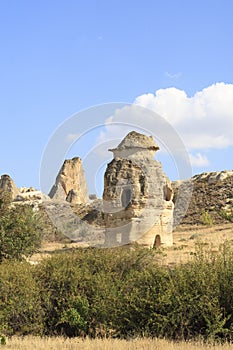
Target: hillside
(208,220)
(212,198)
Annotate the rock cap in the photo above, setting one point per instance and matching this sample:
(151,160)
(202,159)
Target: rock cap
(136,140)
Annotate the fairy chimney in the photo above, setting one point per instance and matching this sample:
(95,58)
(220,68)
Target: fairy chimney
(70,183)
(8,185)
(137,195)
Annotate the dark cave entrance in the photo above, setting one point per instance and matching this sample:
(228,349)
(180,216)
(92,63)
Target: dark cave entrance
(157,242)
(125,197)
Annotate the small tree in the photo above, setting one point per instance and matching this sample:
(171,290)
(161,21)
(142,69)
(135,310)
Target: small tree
(20,230)
(206,218)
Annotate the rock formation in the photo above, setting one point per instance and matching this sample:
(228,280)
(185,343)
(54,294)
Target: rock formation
(212,194)
(70,183)
(137,195)
(29,196)
(8,185)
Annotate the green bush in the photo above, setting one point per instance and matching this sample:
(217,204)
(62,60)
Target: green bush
(20,230)
(223,264)
(227,215)
(195,308)
(93,277)
(66,282)
(206,218)
(183,303)
(2,340)
(73,320)
(125,293)
(143,301)
(20,305)
(119,293)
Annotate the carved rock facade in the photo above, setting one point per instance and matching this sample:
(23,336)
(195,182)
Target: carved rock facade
(137,195)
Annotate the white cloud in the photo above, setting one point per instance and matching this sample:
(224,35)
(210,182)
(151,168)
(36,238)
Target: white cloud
(173,76)
(198,160)
(72,137)
(203,121)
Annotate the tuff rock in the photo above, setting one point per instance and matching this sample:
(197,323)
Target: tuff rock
(211,193)
(70,183)
(137,196)
(8,185)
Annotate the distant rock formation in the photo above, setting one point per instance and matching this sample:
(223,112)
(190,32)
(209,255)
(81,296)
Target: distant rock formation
(137,195)
(70,183)
(212,194)
(24,195)
(8,185)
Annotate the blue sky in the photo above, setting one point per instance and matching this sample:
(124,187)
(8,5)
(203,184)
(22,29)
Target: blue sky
(60,57)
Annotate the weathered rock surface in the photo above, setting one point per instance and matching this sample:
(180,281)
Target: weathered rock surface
(70,183)
(8,185)
(31,197)
(212,194)
(137,195)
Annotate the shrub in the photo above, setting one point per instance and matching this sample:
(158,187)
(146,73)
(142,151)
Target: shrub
(226,215)
(124,293)
(2,340)
(119,293)
(195,310)
(81,289)
(206,218)
(20,230)
(224,267)
(20,304)
(73,320)
(143,301)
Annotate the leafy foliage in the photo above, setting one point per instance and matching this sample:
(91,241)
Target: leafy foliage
(20,305)
(2,340)
(20,230)
(119,293)
(125,293)
(227,215)
(206,218)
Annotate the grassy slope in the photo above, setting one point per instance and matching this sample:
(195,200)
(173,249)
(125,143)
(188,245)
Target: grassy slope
(185,239)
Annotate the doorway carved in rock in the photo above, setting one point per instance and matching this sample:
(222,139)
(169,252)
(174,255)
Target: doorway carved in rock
(157,241)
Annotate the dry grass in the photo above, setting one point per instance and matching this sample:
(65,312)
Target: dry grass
(35,343)
(185,239)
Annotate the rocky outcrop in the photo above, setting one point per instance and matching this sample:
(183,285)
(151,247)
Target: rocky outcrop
(137,195)
(32,197)
(29,196)
(8,185)
(212,194)
(70,183)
